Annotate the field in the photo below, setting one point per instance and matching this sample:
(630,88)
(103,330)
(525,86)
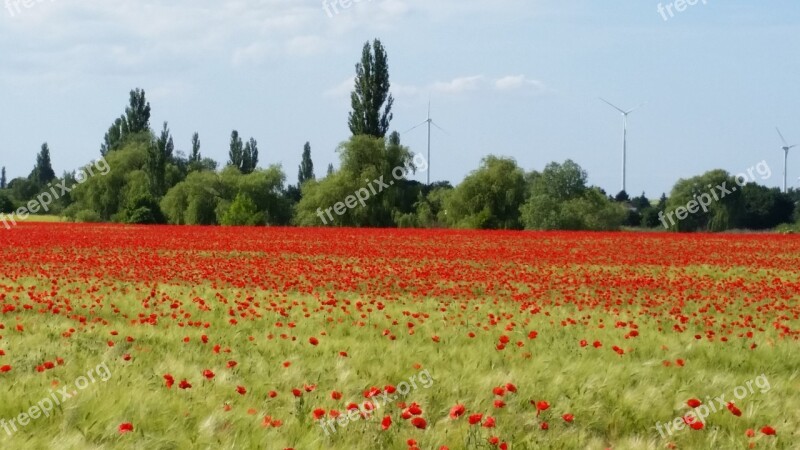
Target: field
(240,338)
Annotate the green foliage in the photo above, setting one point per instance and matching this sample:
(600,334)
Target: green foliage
(3,181)
(242,212)
(43,172)
(6,204)
(765,208)
(244,157)
(724,199)
(560,200)
(142,209)
(204,198)
(370,100)
(159,154)
(134,124)
(306,170)
(106,195)
(489,197)
(364,159)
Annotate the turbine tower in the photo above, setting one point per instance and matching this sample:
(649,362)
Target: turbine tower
(786,147)
(430,122)
(624,136)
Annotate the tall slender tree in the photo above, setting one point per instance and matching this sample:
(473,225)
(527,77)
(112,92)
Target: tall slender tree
(158,155)
(43,172)
(370,100)
(306,169)
(3,181)
(135,120)
(236,151)
(195,156)
(330,170)
(250,157)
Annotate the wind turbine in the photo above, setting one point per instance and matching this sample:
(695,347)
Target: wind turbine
(430,122)
(624,136)
(786,148)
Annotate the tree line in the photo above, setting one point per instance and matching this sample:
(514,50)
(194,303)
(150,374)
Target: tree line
(151,182)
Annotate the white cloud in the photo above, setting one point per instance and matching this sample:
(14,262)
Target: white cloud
(458,85)
(516,82)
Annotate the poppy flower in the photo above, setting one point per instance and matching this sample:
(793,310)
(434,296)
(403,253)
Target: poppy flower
(489,422)
(5,368)
(125,428)
(541,406)
(693,403)
(184,384)
(475,418)
(545,426)
(419,422)
(313,341)
(336,395)
(386,422)
(208,374)
(457,411)
(241,390)
(568,418)
(734,410)
(768,430)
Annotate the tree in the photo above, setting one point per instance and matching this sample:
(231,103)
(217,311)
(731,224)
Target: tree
(43,172)
(249,157)
(708,202)
(489,197)
(135,121)
(242,212)
(306,169)
(236,151)
(3,178)
(765,208)
(329,172)
(158,155)
(370,100)
(195,156)
(559,199)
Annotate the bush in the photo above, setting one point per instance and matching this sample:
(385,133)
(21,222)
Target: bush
(242,212)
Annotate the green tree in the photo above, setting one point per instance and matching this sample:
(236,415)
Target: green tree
(236,151)
(329,171)
(249,157)
(195,156)
(370,100)
(306,170)
(764,208)
(3,178)
(717,190)
(159,154)
(43,172)
(135,122)
(364,159)
(559,199)
(489,197)
(242,212)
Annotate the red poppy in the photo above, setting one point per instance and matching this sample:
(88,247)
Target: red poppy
(419,422)
(208,374)
(475,418)
(568,418)
(734,410)
(693,403)
(457,411)
(241,390)
(386,422)
(768,430)
(125,427)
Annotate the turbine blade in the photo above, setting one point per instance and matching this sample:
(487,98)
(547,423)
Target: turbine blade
(440,128)
(634,109)
(612,105)
(415,127)
(782,138)
(793,146)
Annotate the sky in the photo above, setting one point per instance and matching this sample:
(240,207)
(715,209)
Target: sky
(515,78)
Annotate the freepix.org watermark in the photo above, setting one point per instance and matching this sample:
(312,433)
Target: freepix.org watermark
(714,194)
(15,7)
(46,405)
(700,411)
(43,201)
(331,7)
(375,399)
(678,6)
(374,187)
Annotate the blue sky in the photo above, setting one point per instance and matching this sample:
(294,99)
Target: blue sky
(518,78)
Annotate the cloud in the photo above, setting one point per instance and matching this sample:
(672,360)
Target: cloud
(516,82)
(458,85)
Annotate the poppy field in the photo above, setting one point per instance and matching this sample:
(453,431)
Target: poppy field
(141,337)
